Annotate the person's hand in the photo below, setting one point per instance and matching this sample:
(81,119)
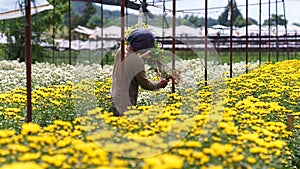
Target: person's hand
(163,83)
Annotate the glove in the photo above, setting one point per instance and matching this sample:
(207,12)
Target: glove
(163,83)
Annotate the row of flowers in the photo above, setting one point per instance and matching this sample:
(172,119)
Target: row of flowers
(13,73)
(232,123)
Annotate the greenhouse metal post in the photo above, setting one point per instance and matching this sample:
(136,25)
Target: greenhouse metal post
(206,33)
(53,31)
(230,9)
(173,42)
(122,55)
(69,15)
(277,40)
(247,18)
(286,32)
(269,47)
(102,50)
(28,58)
(259,43)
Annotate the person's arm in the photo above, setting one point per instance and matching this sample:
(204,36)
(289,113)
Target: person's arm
(148,84)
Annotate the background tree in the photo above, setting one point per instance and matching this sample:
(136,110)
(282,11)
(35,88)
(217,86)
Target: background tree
(88,12)
(94,21)
(195,20)
(223,18)
(41,24)
(75,19)
(241,22)
(296,24)
(281,20)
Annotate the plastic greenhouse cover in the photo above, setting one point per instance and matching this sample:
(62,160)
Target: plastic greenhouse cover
(16,8)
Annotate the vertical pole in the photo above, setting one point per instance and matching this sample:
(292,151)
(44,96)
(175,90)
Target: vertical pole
(28,58)
(173,42)
(286,33)
(53,31)
(102,50)
(146,18)
(163,24)
(290,121)
(69,15)
(231,6)
(122,30)
(269,50)
(122,57)
(126,15)
(277,42)
(259,33)
(218,42)
(140,17)
(206,33)
(296,45)
(247,19)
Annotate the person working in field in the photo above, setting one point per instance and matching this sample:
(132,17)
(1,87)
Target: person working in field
(130,73)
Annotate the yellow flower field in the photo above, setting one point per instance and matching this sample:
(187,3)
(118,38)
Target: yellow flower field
(241,123)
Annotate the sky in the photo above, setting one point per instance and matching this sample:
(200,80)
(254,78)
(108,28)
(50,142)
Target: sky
(183,7)
(292,8)
(14,4)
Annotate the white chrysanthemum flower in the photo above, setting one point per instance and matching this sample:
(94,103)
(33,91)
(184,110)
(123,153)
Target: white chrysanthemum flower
(13,73)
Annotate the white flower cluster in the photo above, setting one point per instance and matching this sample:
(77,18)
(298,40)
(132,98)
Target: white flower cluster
(193,71)
(13,73)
